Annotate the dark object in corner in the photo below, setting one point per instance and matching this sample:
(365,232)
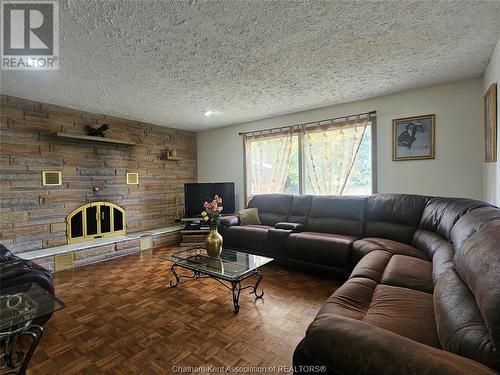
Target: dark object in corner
(100,131)
(15,271)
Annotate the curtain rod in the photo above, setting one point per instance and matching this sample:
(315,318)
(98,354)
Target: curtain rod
(308,123)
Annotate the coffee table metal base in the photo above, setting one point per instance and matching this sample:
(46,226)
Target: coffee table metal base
(13,360)
(234,286)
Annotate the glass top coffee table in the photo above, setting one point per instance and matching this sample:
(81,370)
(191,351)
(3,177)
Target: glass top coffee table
(20,307)
(229,269)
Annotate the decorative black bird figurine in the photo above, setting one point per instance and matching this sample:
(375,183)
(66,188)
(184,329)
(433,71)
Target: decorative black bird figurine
(99,132)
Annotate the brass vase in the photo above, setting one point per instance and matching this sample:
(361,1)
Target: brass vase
(213,242)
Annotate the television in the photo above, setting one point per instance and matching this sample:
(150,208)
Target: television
(195,194)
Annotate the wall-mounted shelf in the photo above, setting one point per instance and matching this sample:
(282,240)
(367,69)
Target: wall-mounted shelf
(94,139)
(164,156)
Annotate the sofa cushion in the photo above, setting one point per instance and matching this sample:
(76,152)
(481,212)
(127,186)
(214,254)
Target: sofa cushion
(362,247)
(340,345)
(439,249)
(396,270)
(477,262)
(442,261)
(252,237)
(299,212)
(273,208)
(406,312)
(249,216)
(460,324)
(337,214)
(429,242)
(322,248)
(441,214)
(471,222)
(394,216)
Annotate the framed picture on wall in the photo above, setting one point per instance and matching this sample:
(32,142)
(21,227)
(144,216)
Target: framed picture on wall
(490,124)
(413,138)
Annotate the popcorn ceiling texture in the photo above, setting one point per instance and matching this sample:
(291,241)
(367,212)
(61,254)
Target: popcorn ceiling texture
(167,62)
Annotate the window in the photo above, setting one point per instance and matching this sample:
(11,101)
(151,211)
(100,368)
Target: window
(338,160)
(328,157)
(272,164)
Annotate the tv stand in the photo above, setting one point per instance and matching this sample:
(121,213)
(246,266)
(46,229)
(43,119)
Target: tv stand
(195,231)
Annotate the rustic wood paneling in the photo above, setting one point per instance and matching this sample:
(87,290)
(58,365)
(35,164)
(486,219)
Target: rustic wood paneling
(33,216)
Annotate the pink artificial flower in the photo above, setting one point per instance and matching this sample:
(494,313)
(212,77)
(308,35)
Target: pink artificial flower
(206,205)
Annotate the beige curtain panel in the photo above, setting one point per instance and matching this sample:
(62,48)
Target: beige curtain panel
(330,155)
(268,162)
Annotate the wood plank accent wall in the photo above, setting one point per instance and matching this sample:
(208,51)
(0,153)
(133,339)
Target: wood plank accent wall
(33,216)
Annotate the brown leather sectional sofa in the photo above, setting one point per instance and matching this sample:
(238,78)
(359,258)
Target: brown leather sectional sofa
(423,288)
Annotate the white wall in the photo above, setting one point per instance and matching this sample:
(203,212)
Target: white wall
(492,170)
(456,171)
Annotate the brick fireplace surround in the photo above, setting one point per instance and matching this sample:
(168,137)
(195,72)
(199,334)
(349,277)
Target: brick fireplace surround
(32,216)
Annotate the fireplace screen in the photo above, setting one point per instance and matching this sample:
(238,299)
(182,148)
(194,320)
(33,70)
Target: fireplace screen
(95,220)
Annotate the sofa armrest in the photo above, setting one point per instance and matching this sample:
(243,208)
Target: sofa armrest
(230,221)
(276,239)
(349,346)
(13,268)
(6,255)
(294,227)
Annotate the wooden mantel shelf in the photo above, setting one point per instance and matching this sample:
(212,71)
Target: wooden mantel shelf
(94,139)
(173,158)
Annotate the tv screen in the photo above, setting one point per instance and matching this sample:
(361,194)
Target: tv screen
(196,194)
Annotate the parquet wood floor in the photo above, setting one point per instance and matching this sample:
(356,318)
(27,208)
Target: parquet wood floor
(122,318)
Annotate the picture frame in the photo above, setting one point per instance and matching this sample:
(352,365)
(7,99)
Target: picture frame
(490,124)
(413,138)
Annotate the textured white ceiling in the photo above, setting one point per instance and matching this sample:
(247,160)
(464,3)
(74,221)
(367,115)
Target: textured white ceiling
(167,62)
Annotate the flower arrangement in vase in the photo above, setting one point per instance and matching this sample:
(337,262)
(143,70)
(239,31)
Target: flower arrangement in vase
(211,215)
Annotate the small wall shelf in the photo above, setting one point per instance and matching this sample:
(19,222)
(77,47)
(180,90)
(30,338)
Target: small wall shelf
(164,156)
(94,139)
(173,158)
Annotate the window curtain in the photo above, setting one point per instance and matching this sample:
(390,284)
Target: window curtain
(268,162)
(330,153)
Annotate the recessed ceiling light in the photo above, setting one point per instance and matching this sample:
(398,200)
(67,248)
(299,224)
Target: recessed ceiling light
(209,113)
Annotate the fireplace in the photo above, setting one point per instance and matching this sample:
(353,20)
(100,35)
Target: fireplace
(95,220)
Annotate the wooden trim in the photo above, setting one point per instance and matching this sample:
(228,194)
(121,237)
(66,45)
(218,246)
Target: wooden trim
(89,138)
(492,90)
(245,189)
(433,138)
(331,122)
(302,180)
(374,154)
